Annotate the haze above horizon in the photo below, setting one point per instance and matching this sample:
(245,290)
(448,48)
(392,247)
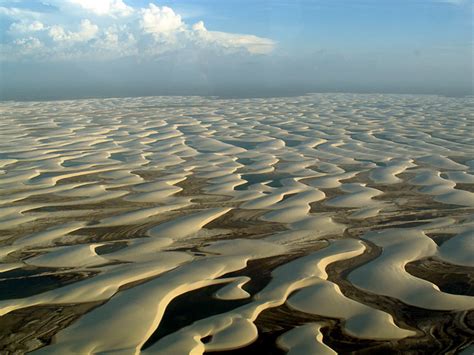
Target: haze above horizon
(56,49)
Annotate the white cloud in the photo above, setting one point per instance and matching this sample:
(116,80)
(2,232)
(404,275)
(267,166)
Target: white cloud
(104,7)
(115,30)
(254,44)
(86,32)
(199,26)
(29,43)
(26,26)
(160,20)
(115,41)
(18,13)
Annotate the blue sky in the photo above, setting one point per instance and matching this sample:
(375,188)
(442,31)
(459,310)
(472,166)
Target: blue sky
(78,48)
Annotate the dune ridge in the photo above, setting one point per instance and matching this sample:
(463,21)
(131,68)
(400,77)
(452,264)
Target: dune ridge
(118,214)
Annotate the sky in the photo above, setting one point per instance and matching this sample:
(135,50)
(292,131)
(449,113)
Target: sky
(59,49)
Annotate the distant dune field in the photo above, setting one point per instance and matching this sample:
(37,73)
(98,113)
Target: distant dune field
(319,224)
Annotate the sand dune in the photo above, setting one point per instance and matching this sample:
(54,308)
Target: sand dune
(306,339)
(386,275)
(316,224)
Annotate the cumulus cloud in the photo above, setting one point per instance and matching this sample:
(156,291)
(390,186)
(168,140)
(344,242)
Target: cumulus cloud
(254,44)
(86,32)
(26,26)
(104,7)
(29,43)
(160,20)
(103,29)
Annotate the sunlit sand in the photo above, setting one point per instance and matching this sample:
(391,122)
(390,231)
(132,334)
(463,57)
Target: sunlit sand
(321,224)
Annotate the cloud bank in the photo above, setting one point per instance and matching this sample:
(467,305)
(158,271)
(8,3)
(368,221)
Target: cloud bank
(111,29)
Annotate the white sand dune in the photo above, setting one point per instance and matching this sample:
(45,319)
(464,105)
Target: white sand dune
(100,287)
(138,203)
(138,215)
(325,298)
(70,256)
(441,162)
(49,235)
(305,339)
(235,328)
(387,174)
(459,250)
(386,275)
(181,227)
(357,195)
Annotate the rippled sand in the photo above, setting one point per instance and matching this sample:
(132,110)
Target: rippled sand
(309,225)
